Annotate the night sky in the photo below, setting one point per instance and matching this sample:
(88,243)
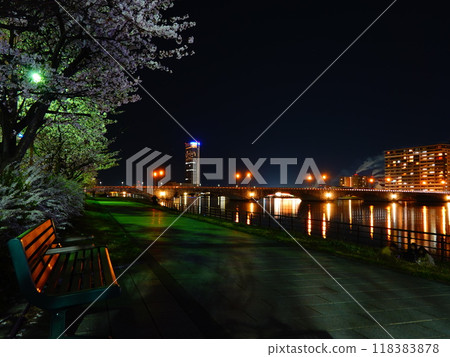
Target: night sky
(254,57)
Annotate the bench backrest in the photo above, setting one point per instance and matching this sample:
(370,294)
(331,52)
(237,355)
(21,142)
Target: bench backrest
(31,264)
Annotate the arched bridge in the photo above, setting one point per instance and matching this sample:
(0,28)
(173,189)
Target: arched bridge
(306,194)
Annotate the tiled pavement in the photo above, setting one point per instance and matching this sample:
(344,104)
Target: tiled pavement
(200,280)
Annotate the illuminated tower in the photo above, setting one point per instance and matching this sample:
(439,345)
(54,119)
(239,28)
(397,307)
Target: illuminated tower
(192,168)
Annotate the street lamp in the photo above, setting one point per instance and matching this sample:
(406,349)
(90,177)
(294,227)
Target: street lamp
(249,176)
(238,176)
(35,77)
(309,178)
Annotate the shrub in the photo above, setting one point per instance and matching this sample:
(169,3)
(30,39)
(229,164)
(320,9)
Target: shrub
(30,195)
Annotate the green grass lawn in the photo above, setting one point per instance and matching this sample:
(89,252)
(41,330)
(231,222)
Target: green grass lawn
(98,223)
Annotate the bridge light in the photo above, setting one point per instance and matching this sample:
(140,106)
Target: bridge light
(278,194)
(324,177)
(448,197)
(155,174)
(388,179)
(251,194)
(328,195)
(393,196)
(309,177)
(238,175)
(163,194)
(161,172)
(249,174)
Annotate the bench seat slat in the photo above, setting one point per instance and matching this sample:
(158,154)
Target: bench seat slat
(43,271)
(66,275)
(82,270)
(86,279)
(107,269)
(56,274)
(96,271)
(77,272)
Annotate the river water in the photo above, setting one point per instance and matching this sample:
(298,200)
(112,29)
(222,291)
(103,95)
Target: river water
(390,216)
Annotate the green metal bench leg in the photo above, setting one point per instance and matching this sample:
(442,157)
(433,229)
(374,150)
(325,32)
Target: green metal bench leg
(58,323)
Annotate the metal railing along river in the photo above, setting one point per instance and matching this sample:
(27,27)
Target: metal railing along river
(436,244)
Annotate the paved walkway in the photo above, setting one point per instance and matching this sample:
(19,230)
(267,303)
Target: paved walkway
(200,280)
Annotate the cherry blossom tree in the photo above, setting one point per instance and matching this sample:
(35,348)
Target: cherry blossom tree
(51,67)
(74,150)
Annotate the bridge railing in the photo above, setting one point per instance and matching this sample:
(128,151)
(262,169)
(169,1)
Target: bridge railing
(438,245)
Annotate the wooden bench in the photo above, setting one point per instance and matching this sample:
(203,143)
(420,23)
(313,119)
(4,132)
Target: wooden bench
(56,278)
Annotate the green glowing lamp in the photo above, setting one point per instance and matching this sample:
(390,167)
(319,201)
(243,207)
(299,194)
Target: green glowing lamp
(36,77)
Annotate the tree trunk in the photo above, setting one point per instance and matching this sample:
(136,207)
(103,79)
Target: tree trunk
(8,142)
(12,148)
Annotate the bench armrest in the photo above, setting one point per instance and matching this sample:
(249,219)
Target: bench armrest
(67,249)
